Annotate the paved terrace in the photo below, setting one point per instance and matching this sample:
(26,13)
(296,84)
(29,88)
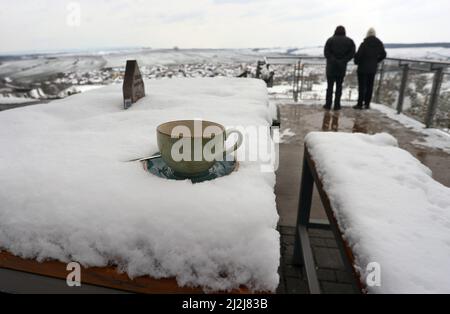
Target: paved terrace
(301,120)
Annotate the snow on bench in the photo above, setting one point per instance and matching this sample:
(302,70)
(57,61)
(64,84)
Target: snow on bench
(388,208)
(67,193)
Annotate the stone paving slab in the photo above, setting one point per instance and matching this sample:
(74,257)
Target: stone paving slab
(331,272)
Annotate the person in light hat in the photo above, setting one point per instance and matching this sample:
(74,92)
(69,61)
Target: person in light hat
(370,53)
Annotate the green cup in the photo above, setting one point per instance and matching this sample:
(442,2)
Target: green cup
(192,147)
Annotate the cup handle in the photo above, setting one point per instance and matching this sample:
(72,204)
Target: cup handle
(238,144)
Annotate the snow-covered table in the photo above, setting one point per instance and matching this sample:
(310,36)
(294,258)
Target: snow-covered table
(390,218)
(68,193)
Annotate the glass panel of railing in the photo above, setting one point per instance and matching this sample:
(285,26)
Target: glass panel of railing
(417,95)
(442,116)
(313,83)
(390,84)
(283,79)
(350,87)
(284,74)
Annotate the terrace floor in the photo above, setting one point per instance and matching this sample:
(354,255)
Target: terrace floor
(301,120)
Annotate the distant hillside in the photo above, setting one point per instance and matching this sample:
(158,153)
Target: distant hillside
(418,45)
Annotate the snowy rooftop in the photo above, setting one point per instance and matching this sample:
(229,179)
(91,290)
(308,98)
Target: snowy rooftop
(68,194)
(389,208)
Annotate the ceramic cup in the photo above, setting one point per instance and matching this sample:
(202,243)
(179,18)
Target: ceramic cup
(192,147)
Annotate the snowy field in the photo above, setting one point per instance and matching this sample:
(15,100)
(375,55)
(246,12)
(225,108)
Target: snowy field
(69,194)
(389,208)
(436,53)
(29,67)
(51,64)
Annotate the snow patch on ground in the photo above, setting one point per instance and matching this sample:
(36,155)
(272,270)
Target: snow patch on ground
(389,208)
(286,135)
(434,138)
(280,89)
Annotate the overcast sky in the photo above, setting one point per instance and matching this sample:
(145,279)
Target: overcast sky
(35,25)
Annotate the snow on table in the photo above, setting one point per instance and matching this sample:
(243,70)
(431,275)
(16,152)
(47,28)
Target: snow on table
(389,209)
(68,194)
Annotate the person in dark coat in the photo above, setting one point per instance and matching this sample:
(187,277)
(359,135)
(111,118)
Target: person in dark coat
(339,50)
(370,53)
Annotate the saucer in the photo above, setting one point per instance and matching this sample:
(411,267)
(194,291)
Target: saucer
(159,168)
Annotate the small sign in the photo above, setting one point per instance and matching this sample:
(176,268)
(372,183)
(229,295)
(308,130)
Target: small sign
(133,84)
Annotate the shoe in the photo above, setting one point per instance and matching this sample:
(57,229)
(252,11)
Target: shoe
(326,107)
(358,107)
(366,107)
(337,108)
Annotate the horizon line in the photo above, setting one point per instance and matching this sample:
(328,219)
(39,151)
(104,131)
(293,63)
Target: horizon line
(119,48)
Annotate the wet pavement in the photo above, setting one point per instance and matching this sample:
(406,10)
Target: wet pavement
(301,120)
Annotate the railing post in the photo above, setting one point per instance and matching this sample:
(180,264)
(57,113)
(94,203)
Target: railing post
(380,82)
(294,83)
(401,96)
(296,80)
(434,98)
(302,79)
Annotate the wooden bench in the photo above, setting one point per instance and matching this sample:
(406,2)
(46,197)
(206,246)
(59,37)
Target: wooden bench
(303,255)
(390,218)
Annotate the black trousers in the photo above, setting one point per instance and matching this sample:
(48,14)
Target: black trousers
(365,88)
(331,80)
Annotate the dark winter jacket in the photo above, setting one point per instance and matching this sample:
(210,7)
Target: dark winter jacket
(369,54)
(339,50)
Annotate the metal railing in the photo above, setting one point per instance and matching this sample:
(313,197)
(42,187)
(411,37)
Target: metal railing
(405,66)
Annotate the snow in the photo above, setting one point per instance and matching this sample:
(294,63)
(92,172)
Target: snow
(389,209)
(317,93)
(185,56)
(37,93)
(316,51)
(50,64)
(78,89)
(435,53)
(68,194)
(15,100)
(434,138)
(280,89)
(28,68)
(85,88)
(286,135)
